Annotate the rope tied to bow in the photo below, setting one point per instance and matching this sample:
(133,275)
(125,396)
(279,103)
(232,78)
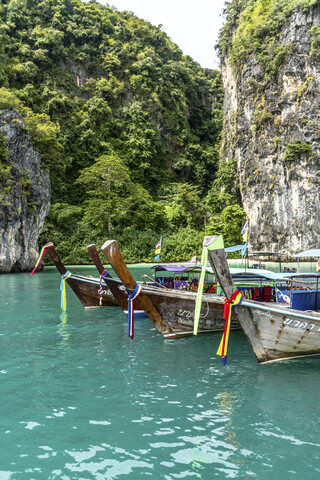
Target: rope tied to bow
(102,276)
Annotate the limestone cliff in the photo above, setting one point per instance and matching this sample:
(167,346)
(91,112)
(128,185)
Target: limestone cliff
(272,128)
(24,196)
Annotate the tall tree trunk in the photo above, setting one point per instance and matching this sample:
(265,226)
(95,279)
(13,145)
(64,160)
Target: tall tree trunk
(109,223)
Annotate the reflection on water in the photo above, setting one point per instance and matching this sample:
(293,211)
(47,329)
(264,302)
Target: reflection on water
(227,402)
(219,449)
(64,332)
(132,361)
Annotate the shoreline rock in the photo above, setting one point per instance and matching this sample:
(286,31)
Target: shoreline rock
(27,203)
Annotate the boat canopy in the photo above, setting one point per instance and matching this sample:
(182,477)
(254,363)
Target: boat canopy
(177,268)
(255,273)
(247,274)
(244,273)
(264,254)
(315,252)
(239,274)
(236,248)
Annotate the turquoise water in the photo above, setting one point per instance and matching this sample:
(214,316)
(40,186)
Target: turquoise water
(80,400)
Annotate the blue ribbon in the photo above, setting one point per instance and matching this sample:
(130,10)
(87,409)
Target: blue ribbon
(136,292)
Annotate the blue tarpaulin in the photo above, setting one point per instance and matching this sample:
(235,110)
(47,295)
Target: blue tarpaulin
(306,300)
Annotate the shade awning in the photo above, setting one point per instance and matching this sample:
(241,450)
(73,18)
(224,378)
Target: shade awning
(171,267)
(176,268)
(236,248)
(265,254)
(315,252)
(255,273)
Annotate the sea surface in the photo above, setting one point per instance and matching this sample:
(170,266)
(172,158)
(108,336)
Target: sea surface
(81,401)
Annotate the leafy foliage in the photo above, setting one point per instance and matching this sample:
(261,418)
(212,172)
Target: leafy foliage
(44,132)
(111,191)
(228,225)
(5,173)
(253,27)
(4,156)
(225,189)
(128,126)
(292,151)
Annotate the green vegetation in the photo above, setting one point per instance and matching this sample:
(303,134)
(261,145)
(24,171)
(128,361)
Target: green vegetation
(253,27)
(261,115)
(128,127)
(315,39)
(44,132)
(293,151)
(4,156)
(5,174)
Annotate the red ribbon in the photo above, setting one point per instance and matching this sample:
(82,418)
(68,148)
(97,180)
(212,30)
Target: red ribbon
(226,314)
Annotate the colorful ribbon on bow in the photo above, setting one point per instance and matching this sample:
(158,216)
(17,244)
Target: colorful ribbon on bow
(50,244)
(131,298)
(103,274)
(229,304)
(63,290)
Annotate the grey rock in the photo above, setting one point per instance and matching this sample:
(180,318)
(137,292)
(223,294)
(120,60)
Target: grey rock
(281,197)
(24,209)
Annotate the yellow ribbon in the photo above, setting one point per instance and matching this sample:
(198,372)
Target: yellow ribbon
(235,300)
(63,291)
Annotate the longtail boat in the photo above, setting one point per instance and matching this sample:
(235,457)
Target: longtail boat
(171,311)
(114,284)
(86,288)
(275,331)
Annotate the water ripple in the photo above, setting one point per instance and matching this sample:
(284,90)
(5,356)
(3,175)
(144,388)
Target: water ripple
(291,439)
(81,401)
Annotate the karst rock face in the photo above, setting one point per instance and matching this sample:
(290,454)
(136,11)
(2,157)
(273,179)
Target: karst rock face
(25,204)
(273,130)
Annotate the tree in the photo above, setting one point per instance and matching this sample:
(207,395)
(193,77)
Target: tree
(185,208)
(228,224)
(90,82)
(110,189)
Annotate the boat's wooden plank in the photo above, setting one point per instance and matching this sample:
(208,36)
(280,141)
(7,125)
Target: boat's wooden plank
(218,261)
(178,311)
(277,336)
(90,289)
(291,339)
(94,254)
(113,254)
(120,295)
(276,309)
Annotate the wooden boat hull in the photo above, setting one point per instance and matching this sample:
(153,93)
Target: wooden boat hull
(118,293)
(89,288)
(282,332)
(275,331)
(85,288)
(114,285)
(177,311)
(171,311)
